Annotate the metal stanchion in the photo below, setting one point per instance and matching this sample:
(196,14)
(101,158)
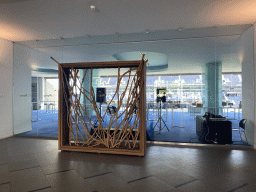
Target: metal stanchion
(37,119)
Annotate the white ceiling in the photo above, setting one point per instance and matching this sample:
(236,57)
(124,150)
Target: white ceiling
(22,20)
(184,55)
(209,32)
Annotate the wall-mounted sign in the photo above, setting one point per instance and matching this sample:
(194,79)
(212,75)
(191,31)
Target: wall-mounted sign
(48,95)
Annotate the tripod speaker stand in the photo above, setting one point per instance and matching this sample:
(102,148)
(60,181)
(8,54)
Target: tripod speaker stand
(160,119)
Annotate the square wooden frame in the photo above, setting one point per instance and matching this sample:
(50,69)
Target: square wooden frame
(63,129)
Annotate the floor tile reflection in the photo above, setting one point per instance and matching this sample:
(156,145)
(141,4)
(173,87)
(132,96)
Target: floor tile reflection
(39,166)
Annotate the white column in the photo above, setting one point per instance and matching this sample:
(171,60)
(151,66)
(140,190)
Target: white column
(86,86)
(21,89)
(254,30)
(212,80)
(248,84)
(6,91)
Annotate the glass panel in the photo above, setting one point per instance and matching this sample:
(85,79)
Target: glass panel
(182,66)
(44,106)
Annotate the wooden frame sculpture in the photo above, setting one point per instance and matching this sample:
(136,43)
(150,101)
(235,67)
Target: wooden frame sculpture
(121,135)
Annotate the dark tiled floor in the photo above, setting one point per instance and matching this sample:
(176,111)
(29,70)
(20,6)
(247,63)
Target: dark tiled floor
(29,164)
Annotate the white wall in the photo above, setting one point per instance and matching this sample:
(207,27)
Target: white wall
(248,76)
(41,91)
(6,68)
(254,48)
(21,89)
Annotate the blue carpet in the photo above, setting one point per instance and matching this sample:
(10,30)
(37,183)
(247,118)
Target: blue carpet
(185,132)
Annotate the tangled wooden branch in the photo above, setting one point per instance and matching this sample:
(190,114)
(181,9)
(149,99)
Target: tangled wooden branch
(123,127)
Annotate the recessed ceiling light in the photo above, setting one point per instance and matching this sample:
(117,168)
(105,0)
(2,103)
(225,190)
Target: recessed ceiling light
(93,7)
(147,31)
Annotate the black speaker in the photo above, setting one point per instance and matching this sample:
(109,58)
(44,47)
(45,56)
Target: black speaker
(220,129)
(224,133)
(101,95)
(161,94)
